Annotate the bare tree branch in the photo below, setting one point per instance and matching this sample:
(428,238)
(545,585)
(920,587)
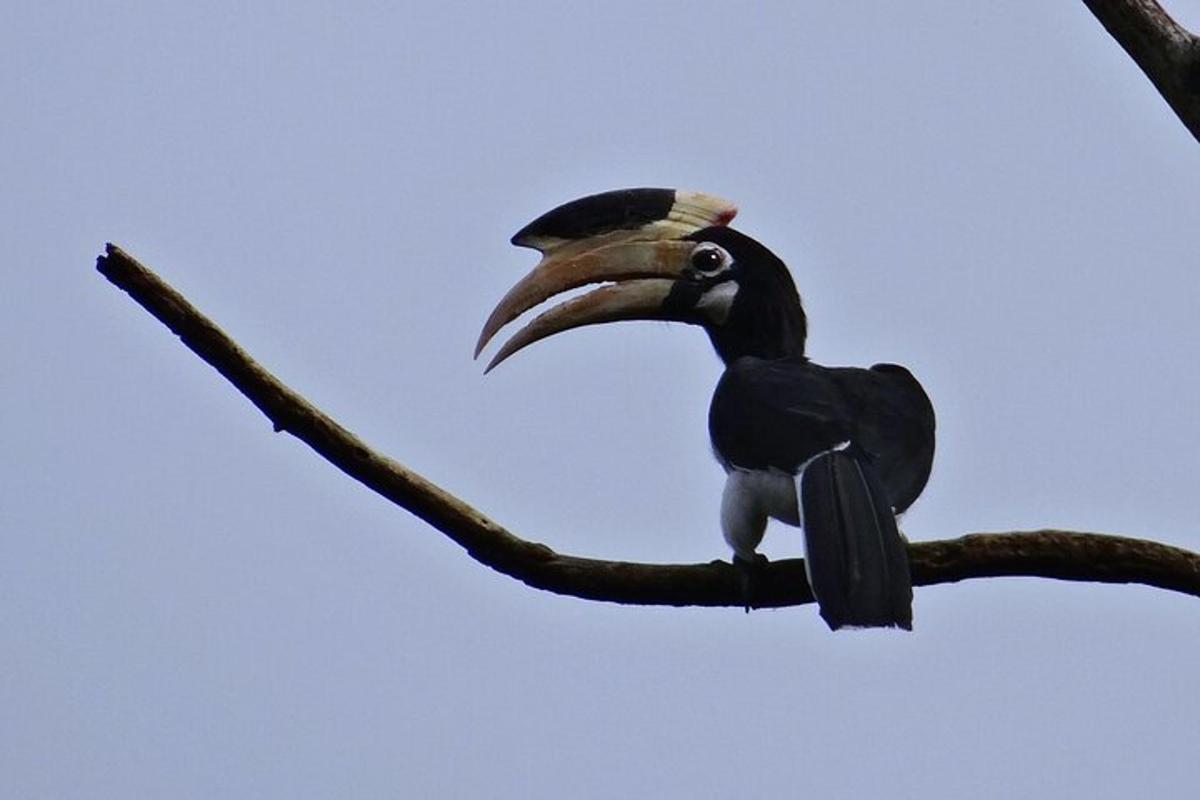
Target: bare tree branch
(1166,51)
(1047,553)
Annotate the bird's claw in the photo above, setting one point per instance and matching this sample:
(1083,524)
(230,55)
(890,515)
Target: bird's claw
(748,572)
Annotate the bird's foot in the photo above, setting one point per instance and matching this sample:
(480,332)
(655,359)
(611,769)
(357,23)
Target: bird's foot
(749,572)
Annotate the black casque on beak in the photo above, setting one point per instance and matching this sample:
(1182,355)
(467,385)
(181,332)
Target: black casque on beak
(632,239)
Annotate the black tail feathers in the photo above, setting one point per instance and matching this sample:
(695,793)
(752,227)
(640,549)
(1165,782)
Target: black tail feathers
(857,561)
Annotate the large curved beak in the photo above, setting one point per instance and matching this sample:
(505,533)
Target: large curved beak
(641,275)
(633,239)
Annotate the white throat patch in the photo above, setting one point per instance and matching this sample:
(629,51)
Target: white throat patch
(716,302)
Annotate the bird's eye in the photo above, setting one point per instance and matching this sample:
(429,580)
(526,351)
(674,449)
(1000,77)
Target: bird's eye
(710,258)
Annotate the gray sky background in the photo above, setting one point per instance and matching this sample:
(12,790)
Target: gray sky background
(193,606)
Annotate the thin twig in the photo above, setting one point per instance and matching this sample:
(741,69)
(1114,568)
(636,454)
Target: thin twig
(1048,553)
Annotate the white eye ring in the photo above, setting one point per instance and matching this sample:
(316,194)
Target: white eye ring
(709,259)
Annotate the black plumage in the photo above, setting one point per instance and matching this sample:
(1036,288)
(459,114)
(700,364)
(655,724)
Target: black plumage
(858,442)
(779,413)
(857,561)
(839,450)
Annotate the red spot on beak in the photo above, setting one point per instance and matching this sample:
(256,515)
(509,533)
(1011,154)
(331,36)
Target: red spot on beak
(726,217)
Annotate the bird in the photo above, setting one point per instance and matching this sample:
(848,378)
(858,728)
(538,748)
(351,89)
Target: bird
(838,451)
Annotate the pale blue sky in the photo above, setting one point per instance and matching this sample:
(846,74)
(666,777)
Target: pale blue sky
(193,606)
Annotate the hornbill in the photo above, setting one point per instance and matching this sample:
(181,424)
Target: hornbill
(839,451)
